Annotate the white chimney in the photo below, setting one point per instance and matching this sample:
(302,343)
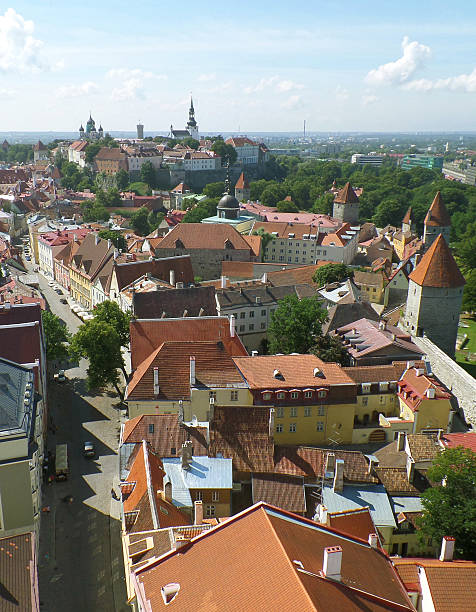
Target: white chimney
(401,440)
(223,282)
(254,353)
(198,513)
(179,541)
(264,278)
(156,381)
(447,548)
(232,326)
(330,463)
(172,277)
(271,421)
(430,393)
(373,540)
(419,371)
(339,475)
(332,562)
(96,239)
(192,371)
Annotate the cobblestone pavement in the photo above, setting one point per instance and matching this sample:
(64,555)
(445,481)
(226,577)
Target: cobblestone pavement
(80,559)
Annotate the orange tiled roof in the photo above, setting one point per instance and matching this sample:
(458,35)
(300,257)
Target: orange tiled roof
(203,236)
(242,183)
(468,440)
(437,267)
(413,388)
(437,214)
(282,490)
(357,522)
(346,195)
(408,216)
(296,371)
(278,565)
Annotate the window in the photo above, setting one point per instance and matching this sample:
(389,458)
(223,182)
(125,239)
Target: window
(294,394)
(365,401)
(210,512)
(252,314)
(212,395)
(242,328)
(242,315)
(234,396)
(151,428)
(215,496)
(251,326)
(383,399)
(320,426)
(198,496)
(280,412)
(280,395)
(307,411)
(263,325)
(173,450)
(365,387)
(266,396)
(321,411)
(308,394)
(321,393)
(263,312)
(293,411)
(279,428)
(292,427)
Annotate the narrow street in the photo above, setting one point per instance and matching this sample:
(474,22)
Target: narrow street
(80,559)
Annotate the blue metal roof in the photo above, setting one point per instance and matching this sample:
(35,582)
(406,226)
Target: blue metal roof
(406,504)
(204,473)
(373,496)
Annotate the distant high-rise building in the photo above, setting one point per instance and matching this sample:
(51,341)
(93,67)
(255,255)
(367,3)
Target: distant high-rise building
(373,160)
(435,294)
(346,205)
(414,160)
(140,131)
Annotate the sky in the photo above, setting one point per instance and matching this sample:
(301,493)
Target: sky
(259,65)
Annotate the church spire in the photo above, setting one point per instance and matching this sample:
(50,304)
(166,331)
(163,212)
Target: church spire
(227,178)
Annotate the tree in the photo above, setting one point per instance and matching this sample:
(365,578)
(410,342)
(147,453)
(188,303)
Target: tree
(122,179)
(389,212)
(116,238)
(91,151)
(191,142)
(466,247)
(100,343)
(449,507)
(225,151)
(140,188)
(331,273)
(214,190)
(286,206)
(266,238)
(273,193)
(154,219)
(201,211)
(295,325)
(330,348)
(56,336)
(139,221)
(109,312)
(148,174)
(93,212)
(469,292)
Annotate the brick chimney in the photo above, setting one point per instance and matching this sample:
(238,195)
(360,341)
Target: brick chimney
(447,548)
(186,455)
(198,513)
(373,540)
(339,476)
(332,562)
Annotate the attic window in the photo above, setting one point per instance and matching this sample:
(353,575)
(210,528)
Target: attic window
(151,428)
(173,450)
(169,592)
(365,387)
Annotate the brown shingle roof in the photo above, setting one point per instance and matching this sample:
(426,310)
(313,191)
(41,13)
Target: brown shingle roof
(110,154)
(357,522)
(423,448)
(437,267)
(167,434)
(281,490)
(203,236)
(196,301)
(311,462)
(395,481)
(92,255)
(127,273)
(265,574)
(242,434)
(346,195)
(379,373)
(437,214)
(18,574)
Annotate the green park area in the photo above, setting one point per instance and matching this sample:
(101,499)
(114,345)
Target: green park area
(466,356)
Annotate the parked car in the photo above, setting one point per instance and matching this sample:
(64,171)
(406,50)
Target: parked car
(28,258)
(58,291)
(64,301)
(60,376)
(51,283)
(89,450)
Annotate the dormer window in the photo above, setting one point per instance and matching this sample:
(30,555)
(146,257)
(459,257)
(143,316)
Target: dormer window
(266,395)
(322,393)
(365,387)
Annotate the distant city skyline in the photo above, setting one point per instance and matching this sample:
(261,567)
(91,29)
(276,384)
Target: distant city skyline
(264,67)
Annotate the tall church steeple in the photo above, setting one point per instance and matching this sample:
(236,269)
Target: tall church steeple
(192,126)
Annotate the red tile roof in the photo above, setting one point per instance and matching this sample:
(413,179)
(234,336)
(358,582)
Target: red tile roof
(281,490)
(413,388)
(128,272)
(437,267)
(148,335)
(408,216)
(468,440)
(277,565)
(346,195)
(437,214)
(242,183)
(18,574)
(357,522)
(203,236)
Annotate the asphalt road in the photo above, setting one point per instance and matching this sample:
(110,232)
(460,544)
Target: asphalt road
(80,559)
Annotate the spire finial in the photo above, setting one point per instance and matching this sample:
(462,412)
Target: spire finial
(227,178)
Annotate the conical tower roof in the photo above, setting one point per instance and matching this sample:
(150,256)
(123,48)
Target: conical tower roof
(346,195)
(438,268)
(437,214)
(242,183)
(408,216)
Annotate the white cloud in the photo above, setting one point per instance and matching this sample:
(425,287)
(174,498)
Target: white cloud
(462,82)
(292,103)
(72,91)
(207,77)
(133,73)
(273,83)
(400,71)
(368,99)
(128,90)
(341,94)
(19,50)
(7,93)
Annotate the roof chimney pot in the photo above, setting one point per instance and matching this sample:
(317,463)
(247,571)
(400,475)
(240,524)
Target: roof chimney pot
(447,548)
(331,567)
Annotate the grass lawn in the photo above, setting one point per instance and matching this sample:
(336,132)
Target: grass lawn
(469,366)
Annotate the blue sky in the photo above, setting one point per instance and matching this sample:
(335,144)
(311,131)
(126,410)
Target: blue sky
(252,66)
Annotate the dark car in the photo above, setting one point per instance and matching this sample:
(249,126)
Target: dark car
(88,450)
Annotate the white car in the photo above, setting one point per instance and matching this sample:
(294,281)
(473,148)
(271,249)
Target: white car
(89,450)
(51,283)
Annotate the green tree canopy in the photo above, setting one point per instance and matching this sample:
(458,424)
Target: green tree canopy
(56,336)
(139,221)
(214,190)
(148,174)
(154,219)
(91,151)
(469,292)
(466,247)
(331,273)
(201,211)
(191,142)
(122,179)
(330,348)
(109,312)
(225,151)
(295,325)
(93,212)
(449,507)
(116,238)
(140,188)
(286,206)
